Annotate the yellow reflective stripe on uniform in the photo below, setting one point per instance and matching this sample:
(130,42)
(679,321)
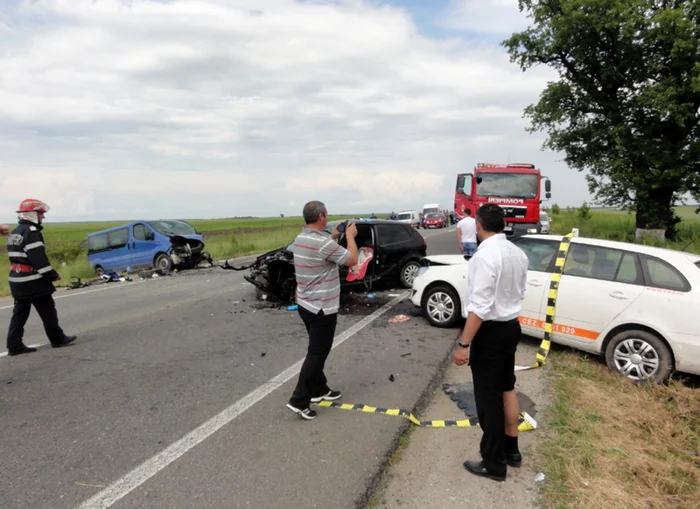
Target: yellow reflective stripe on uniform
(33,245)
(24,279)
(46,269)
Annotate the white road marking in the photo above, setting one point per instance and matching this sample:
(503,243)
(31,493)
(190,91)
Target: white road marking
(4,354)
(152,466)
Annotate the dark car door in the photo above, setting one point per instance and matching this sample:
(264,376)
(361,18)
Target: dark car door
(366,237)
(393,246)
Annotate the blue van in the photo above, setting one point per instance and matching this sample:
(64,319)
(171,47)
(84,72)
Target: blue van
(162,244)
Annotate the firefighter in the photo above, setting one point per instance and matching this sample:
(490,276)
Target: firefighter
(31,279)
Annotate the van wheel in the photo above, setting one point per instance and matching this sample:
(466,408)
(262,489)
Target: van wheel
(163,262)
(640,356)
(409,272)
(99,270)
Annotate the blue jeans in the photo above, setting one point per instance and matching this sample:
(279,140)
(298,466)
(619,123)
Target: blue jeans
(469,248)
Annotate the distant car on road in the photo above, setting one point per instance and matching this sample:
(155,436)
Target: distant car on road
(397,249)
(544,222)
(634,305)
(410,217)
(435,220)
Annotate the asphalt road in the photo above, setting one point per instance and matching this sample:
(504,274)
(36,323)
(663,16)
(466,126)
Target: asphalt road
(173,397)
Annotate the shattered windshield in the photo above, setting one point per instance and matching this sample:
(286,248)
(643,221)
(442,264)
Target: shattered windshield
(172,227)
(507,185)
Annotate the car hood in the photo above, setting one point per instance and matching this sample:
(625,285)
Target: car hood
(446,259)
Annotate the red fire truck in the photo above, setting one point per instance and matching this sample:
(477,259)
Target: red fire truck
(515,187)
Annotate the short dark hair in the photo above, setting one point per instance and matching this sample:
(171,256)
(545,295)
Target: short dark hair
(313,210)
(468,212)
(491,217)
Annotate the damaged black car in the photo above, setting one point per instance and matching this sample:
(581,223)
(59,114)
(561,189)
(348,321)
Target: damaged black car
(389,252)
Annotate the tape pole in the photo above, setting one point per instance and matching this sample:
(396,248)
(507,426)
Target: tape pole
(552,293)
(525,422)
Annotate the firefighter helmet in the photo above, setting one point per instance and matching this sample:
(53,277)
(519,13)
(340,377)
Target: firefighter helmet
(33,205)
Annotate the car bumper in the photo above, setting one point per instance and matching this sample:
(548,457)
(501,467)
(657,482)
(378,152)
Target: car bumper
(420,282)
(686,349)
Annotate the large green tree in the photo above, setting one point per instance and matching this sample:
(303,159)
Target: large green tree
(626,106)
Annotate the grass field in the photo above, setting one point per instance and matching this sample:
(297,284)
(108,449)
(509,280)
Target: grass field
(620,226)
(614,444)
(224,238)
(227,238)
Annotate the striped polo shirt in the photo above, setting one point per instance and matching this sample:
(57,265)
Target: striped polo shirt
(316,260)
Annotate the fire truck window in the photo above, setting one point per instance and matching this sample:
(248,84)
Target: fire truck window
(508,185)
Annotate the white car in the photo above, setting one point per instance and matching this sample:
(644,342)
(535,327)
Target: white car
(544,222)
(409,217)
(634,305)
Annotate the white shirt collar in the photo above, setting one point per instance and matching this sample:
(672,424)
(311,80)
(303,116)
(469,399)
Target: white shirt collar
(493,238)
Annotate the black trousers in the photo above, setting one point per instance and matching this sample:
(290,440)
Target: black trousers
(312,381)
(492,360)
(46,307)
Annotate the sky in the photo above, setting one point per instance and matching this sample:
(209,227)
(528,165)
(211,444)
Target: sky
(126,109)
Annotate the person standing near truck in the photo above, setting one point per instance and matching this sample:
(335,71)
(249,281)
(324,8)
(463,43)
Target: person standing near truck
(466,233)
(316,260)
(31,279)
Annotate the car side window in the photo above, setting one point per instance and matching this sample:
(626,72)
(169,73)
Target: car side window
(140,232)
(630,271)
(660,274)
(119,238)
(540,253)
(390,234)
(592,262)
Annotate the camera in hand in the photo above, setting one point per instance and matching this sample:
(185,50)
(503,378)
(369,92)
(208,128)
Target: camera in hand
(342,226)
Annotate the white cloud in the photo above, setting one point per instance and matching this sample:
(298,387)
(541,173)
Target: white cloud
(214,108)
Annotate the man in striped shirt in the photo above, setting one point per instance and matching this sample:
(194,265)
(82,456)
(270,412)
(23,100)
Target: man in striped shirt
(31,279)
(316,260)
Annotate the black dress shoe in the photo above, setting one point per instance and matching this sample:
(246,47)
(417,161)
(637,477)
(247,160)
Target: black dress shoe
(514,460)
(22,349)
(65,341)
(478,468)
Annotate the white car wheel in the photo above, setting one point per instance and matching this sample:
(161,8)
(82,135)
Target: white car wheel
(441,306)
(639,356)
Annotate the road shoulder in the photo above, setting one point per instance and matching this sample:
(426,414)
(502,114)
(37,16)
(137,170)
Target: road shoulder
(426,469)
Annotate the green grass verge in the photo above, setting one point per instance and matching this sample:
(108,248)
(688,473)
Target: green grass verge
(620,226)
(613,444)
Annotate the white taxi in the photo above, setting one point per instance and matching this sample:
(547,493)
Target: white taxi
(634,305)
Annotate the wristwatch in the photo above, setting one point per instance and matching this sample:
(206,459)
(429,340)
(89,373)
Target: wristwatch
(462,345)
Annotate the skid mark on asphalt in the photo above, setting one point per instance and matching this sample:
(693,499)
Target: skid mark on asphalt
(122,487)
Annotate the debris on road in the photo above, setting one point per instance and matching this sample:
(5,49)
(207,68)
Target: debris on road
(399,319)
(539,477)
(391,378)
(293,307)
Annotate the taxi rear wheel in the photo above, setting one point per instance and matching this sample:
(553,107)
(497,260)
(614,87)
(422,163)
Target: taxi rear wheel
(640,356)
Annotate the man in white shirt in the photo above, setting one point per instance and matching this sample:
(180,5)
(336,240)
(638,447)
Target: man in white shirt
(496,279)
(466,233)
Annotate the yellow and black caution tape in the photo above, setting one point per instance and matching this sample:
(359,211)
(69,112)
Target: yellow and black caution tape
(525,423)
(551,305)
